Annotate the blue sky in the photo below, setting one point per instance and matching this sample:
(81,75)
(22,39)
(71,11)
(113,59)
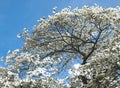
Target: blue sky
(18,14)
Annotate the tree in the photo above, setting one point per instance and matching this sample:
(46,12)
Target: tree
(89,36)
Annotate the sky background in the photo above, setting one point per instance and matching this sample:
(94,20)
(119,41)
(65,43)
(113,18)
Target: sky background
(18,14)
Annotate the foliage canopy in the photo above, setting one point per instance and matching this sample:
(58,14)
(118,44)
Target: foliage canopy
(89,36)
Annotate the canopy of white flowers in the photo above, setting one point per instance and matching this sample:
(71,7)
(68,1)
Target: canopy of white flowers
(89,36)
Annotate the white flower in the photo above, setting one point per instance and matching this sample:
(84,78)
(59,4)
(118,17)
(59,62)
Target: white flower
(76,66)
(19,35)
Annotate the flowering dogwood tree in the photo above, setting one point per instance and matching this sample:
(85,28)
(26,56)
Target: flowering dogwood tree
(89,36)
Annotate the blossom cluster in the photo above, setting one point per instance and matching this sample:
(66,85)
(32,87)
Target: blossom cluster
(90,35)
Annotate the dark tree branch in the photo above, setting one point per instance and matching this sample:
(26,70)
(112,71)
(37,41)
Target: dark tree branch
(93,48)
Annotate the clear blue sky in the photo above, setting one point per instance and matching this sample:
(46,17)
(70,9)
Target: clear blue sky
(17,14)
